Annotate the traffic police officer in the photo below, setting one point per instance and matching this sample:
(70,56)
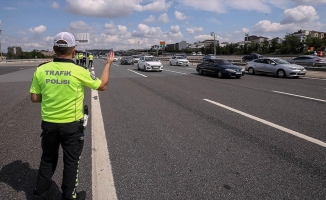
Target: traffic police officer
(90,60)
(59,87)
(77,59)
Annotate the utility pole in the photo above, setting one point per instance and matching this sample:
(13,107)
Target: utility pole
(213,34)
(0,47)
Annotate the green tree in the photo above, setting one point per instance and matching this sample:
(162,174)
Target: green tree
(315,42)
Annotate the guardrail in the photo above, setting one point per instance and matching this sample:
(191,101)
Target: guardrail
(25,60)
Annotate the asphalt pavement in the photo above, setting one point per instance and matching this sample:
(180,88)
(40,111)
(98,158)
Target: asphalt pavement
(178,135)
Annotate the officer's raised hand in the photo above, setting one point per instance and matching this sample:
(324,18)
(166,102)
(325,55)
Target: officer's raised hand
(110,57)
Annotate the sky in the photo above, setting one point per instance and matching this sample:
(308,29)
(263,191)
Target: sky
(140,24)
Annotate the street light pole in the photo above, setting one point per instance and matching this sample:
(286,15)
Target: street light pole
(213,34)
(0,47)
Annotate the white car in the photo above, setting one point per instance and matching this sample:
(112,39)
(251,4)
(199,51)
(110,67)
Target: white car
(179,60)
(116,59)
(199,54)
(149,63)
(193,53)
(135,58)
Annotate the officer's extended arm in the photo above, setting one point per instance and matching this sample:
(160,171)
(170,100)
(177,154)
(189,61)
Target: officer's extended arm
(36,98)
(106,72)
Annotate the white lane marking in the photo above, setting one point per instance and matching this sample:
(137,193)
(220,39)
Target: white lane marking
(175,72)
(299,96)
(137,73)
(102,177)
(191,68)
(314,78)
(300,135)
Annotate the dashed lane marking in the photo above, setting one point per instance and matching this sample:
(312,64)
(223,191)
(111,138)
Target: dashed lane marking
(175,72)
(289,131)
(137,73)
(299,96)
(322,79)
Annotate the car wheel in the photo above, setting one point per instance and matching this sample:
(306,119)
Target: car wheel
(200,71)
(160,70)
(251,71)
(144,68)
(238,77)
(281,73)
(219,74)
(138,67)
(170,63)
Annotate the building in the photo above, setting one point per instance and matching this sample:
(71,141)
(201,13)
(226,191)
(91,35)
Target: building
(15,50)
(254,38)
(301,35)
(170,47)
(47,53)
(317,34)
(181,45)
(223,44)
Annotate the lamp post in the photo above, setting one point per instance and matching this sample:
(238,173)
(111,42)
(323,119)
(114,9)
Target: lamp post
(213,34)
(0,47)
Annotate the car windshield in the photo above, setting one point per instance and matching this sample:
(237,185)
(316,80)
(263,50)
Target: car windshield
(150,59)
(280,61)
(223,62)
(179,57)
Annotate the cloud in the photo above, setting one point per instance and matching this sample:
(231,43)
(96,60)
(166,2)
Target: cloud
(10,8)
(55,5)
(222,6)
(194,30)
(203,37)
(156,6)
(38,30)
(206,37)
(150,19)
(114,8)
(175,32)
(300,14)
(180,16)
(309,2)
(79,25)
(145,31)
(300,17)
(164,18)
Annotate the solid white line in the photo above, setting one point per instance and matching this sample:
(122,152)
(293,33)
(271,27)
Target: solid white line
(137,73)
(175,72)
(310,139)
(300,96)
(102,177)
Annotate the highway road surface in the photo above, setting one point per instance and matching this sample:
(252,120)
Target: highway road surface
(177,135)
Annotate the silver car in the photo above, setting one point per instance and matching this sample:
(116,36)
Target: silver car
(275,66)
(308,60)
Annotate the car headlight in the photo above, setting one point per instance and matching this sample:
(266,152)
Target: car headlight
(293,68)
(148,65)
(230,70)
(242,70)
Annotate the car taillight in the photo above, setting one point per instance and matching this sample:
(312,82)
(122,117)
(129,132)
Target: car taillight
(319,60)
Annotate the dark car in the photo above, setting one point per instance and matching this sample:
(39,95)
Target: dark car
(251,57)
(219,67)
(209,56)
(128,60)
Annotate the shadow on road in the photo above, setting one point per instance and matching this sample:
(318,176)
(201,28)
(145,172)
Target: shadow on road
(21,177)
